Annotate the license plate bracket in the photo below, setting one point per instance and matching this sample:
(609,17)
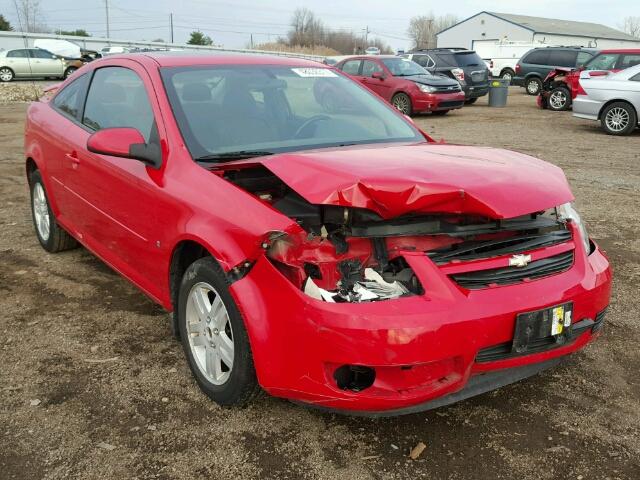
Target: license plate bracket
(542,328)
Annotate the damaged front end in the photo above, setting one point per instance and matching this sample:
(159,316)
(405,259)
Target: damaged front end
(555,93)
(346,254)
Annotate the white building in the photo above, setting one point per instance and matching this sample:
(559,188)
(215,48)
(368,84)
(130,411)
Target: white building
(522,28)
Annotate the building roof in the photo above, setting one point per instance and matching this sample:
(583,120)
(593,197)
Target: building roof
(555,26)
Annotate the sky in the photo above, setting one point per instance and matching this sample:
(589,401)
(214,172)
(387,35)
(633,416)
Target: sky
(232,23)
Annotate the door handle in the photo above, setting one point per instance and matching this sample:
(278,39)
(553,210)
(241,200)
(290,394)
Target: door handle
(75,161)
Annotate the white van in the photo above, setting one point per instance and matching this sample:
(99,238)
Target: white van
(501,56)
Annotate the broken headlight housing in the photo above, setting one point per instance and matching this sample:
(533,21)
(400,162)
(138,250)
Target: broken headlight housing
(567,212)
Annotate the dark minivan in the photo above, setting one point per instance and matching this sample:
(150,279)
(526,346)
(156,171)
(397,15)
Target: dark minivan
(461,64)
(535,65)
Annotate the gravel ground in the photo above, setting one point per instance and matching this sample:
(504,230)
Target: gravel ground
(92,385)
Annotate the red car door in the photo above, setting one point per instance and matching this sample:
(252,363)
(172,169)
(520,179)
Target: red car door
(123,202)
(63,137)
(376,79)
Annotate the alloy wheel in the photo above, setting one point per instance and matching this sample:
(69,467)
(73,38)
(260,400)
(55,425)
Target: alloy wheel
(507,76)
(41,212)
(558,99)
(402,103)
(617,119)
(6,75)
(210,333)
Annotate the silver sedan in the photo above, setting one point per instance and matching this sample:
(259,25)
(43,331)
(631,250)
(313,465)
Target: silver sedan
(611,98)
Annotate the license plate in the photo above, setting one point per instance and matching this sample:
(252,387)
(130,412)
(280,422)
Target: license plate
(549,325)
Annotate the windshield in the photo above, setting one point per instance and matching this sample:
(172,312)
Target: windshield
(262,109)
(403,67)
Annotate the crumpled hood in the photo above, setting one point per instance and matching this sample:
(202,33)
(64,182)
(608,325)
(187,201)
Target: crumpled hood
(433,80)
(393,180)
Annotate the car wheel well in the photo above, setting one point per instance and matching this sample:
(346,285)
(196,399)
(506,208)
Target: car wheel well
(507,69)
(31,167)
(184,254)
(604,107)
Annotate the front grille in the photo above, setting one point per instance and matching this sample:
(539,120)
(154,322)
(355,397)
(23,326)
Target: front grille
(504,351)
(450,89)
(503,246)
(450,104)
(510,275)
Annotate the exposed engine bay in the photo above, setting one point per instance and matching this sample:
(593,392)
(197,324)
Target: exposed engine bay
(346,254)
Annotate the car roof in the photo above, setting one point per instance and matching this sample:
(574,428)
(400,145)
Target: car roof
(185,59)
(569,47)
(621,50)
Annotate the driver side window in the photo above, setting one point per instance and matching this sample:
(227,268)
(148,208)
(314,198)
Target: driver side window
(117,97)
(369,68)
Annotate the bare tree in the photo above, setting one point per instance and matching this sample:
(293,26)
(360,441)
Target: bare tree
(423,29)
(30,15)
(631,25)
(306,29)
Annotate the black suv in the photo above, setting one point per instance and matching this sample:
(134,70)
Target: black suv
(461,64)
(535,65)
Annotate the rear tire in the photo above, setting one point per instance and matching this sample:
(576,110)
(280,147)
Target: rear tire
(6,74)
(403,103)
(533,86)
(619,118)
(214,337)
(559,99)
(507,74)
(50,235)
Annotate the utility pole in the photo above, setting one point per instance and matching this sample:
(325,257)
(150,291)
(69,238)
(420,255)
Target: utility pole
(252,41)
(366,37)
(106,11)
(171,22)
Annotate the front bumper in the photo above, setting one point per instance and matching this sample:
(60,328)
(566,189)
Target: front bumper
(475,91)
(433,102)
(422,347)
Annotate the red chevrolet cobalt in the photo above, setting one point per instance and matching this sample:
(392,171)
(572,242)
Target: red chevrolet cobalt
(337,257)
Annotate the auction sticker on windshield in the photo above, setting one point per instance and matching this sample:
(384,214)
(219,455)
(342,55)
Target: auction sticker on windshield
(313,72)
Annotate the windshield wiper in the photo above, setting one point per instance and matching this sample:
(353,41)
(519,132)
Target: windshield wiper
(229,156)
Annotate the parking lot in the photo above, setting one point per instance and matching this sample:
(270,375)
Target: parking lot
(92,384)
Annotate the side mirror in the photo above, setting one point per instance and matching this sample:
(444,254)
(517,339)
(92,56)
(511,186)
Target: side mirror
(378,75)
(125,143)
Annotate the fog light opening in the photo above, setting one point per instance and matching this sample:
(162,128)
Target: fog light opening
(354,377)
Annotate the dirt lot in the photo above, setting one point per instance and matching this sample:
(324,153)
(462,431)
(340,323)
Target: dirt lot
(138,414)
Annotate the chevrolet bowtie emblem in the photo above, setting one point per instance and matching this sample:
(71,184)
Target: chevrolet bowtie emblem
(519,260)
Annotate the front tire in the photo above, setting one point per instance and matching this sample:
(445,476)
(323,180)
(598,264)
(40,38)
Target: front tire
(533,86)
(619,118)
(214,337)
(6,74)
(559,99)
(403,103)
(50,235)
(69,71)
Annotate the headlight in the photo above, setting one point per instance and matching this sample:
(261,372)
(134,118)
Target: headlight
(567,212)
(426,88)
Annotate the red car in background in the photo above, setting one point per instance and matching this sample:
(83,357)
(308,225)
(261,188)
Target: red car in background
(338,257)
(405,84)
(562,85)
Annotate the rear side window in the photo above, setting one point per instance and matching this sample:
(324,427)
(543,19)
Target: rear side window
(635,78)
(424,61)
(563,58)
(628,60)
(537,57)
(69,100)
(351,67)
(117,98)
(17,54)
